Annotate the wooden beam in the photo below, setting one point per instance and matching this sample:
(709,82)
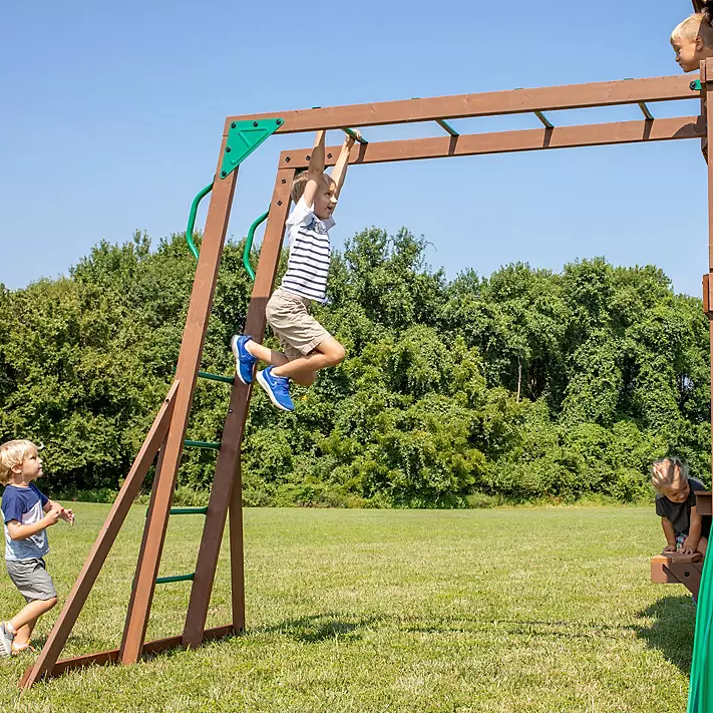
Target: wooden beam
(112,656)
(189,360)
(227,490)
(46,662)
(514,101)
(686,127)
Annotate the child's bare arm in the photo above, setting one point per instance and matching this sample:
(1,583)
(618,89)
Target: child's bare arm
(694,533)
(340,168)
(670,534)
(18,531)
(315,170)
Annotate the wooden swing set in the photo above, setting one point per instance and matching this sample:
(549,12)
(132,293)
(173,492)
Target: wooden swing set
(166,438)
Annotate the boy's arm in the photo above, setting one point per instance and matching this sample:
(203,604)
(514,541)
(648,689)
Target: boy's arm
(670,535)
(18,531)
(315,170)
(694,533)
(340,168)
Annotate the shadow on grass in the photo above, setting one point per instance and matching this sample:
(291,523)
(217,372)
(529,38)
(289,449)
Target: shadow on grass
(672,629)
(322,627)
(553,628)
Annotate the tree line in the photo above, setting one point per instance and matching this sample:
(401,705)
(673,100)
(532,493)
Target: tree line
(526,385)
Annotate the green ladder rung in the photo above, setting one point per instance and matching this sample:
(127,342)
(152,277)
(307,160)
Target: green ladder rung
(176,578)
(185,511)
(202,444)
(216,377)
(189,511)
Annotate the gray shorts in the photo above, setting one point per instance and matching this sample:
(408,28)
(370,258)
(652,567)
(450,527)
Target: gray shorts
(299,333)
(32,579)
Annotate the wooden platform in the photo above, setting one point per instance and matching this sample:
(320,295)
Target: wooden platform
(678,569)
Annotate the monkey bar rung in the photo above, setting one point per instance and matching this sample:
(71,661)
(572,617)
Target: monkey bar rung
(645,111)
(447,127)
(547,123)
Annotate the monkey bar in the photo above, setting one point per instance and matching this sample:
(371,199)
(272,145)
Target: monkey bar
(168,434)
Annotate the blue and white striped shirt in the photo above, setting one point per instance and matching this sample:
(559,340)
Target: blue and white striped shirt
(310,252)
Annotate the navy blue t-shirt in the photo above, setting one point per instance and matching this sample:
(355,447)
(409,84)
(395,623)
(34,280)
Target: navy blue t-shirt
(24,504)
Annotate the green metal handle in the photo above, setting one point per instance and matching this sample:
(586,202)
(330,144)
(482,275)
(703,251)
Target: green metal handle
(192,219)
(249,244)
(352,134)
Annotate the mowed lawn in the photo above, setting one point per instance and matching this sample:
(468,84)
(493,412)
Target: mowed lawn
(531,609)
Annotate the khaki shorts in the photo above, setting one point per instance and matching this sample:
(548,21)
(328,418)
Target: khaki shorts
(299,333)
(32,579)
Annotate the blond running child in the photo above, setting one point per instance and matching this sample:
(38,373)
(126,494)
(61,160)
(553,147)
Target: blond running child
(692,40)
(307,345)
(27,513)
(686,531)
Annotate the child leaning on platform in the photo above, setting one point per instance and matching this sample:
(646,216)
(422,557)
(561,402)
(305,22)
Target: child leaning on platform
(307,345)
(692,40)
(686,531)
(27,513)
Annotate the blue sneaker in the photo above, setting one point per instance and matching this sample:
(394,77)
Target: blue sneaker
(277,388)
(244,360)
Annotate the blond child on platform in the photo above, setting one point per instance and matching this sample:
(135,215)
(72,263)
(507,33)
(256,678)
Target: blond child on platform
(27,513)
(686,531)
(307,345)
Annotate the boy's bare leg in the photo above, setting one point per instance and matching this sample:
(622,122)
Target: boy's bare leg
(24,633)
(329,353)
(305,378)
(269,356)
(702,545)
(30,614)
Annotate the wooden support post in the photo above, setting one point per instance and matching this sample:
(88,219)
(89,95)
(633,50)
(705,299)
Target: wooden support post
(707,86)
(189,360)
(102,545)
(227,486)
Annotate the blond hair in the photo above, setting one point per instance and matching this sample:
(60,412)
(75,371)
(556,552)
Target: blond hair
(665,470)
(696,25)
(300,182)
(12,454)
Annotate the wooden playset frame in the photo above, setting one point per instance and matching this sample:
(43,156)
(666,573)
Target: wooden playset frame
(165,440)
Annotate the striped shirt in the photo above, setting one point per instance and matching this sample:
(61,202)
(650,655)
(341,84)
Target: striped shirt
(310,252)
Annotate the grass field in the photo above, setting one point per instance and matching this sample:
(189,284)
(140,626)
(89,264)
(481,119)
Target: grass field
(547,609)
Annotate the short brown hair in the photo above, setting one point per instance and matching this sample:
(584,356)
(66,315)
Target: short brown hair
(665,470)
(696,25)
(12,454)
(300,182)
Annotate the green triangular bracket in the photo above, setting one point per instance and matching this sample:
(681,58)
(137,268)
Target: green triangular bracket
(243,138)
(696,85)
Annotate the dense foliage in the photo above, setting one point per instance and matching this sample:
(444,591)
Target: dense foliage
(521,386)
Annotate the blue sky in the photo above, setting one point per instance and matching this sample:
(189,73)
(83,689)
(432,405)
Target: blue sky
(113,112)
